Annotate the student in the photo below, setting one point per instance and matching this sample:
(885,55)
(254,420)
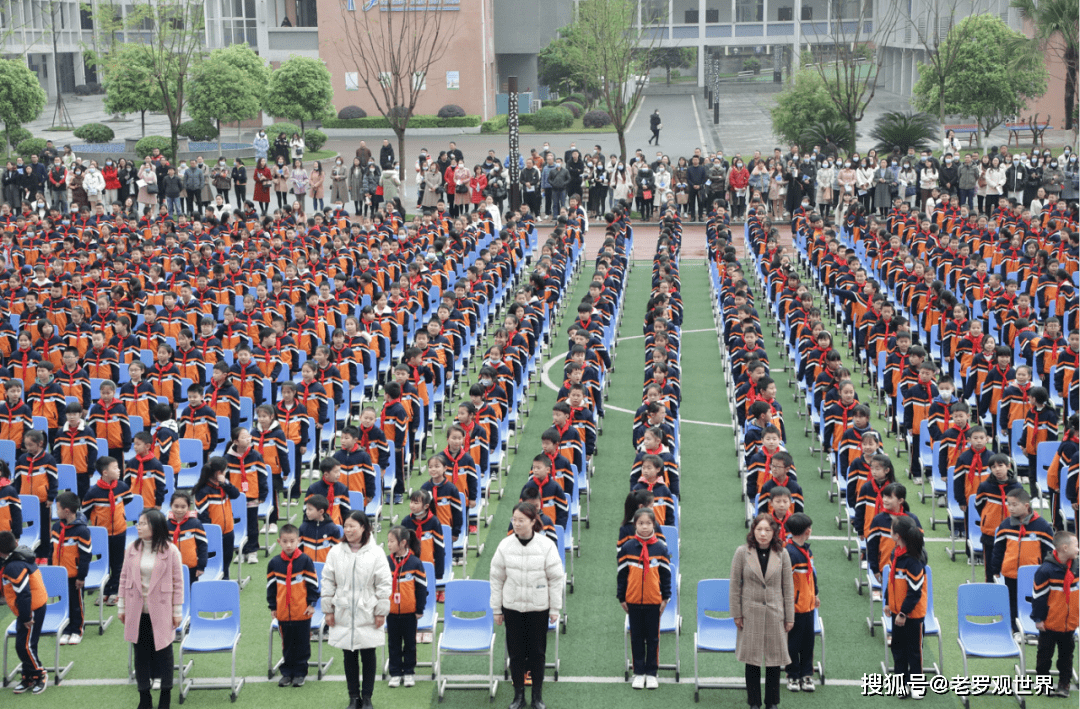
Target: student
(1022,538)
(553,500)
(10,505)
(1055,608)
(636,500)
(249,474)
(336,494)
(75,444)
(463,473)
(318,533)
(663,501)
(780,509)
(445,497)
(103,506)
(394,422)
(560,466)
(906,590)
(643,590)
(213,501)
(801,636)
(269,440)
(531,495)
(71,550)
(166,432)
(108,419)
(145,474)
(757,418)
(199,422)
(357,472)
(869,503)
(35,474)
(187,534)
(858,471)
(408,598)
(991,502)
(780,475)
(292,588)
(24,590)
(879,543)
(424,523)
(760,463)
(652,443)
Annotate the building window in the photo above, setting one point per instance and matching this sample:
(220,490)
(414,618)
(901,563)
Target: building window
(350,5)
(352,81)
(749,10)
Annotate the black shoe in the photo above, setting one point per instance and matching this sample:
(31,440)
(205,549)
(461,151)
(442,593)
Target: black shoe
(365,703)
(538,699)
(165,698)
(285,681)
(1062,692)
(298,681)
(145,701)
(354,703)
(519,699)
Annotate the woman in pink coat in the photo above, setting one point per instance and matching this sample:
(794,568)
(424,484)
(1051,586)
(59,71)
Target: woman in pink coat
(150,605)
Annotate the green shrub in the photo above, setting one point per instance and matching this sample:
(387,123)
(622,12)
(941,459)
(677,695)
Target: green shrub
(376,122)
(578,98)
(904,130)
(288,129)
(596,119)
(315,139)
(18,134)
(495,125)
(199,131)
(551,118)
(460,122)
(751,64)
(31,146)
(574,107)
(366,122)
(351,112)
(95,133)
(146,146)
(836,130)
(526,119)
(451,110)
(423,122)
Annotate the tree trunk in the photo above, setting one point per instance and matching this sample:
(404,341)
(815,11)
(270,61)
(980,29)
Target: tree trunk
(142,117)
(851,127)
(941,106)
(301,127)
(219,137)
(1071,61)
(622,144)
(400,133)
(668,75)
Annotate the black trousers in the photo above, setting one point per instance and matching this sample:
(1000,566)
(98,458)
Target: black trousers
(241,195)
(295,647)
(988,553)
(401,634)
(117,545)
(352,661)
(82,484)
(800,643)
(655,136)
(44,550)
(1010,583)
(1065,645)
(907,648)
(151,663)
(644,637)
(279,487)
(75,608)
(26,646)
(252,544)
(526,644)
(753,686)
(533,200)
(227,545)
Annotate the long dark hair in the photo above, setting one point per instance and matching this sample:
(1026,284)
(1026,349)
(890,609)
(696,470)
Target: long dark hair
(361,518)
(635,501)
(159,531)
(911,535)
(532,513)
(775,544)
(214,466)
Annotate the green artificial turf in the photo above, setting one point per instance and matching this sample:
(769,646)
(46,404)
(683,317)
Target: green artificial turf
(712,526)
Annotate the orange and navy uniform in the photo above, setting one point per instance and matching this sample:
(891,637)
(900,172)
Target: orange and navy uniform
(447,500)
(970,472)
(663,501)
(248,380)
(1019,543)
(146,476)
(758,470)
(318,538)
(101,364)
(104,506)
(47,401)
(71,547)
(314,400)
(200,424)
(917,400)
(838,419)
(214,505)
(804,576)
(953,442)
(24,589)
(190,365)
(294,423)
(291,586)
(248,472)
(669,473)
(165,448)
(1040,425)
(879,542)
(644,571)
(357,473)
(189,536)
(36,475)
(764,502)
(553,501)
(337,495)
(429,531)
(166,380)
(906,587)
(990,503)
(408,591)
(273,446)
(15,421)
(224,400)
(110,421)
(76,446)
(1055,597)
(868,505)
(463,473)
(562,471)
(138,398)
(11,519)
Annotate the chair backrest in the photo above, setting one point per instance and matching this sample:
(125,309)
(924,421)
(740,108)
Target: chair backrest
(929,590)
(66,477)
(560,542)
(464,531)
(185,612)
(671,536)
(56,587)
(972,519)
(468,596)
(191,452)
(1025,580)
(448,557)
(7,454)
(215,597)
(133,509)
(215,560)
(31,511)
(982,600)
(712,595)
(99,547)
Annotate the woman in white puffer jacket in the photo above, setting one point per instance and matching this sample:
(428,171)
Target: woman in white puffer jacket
(356,584)
(527,580)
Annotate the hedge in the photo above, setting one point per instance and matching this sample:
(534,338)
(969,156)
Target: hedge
(379,122)
(351,113)
(574,107)
(199,131)
(288,129)
(315,139)
(551,118)
(146,146)
(18,134)
(95,133)
(495,125)
(596,119)
(451,110)
(31,146)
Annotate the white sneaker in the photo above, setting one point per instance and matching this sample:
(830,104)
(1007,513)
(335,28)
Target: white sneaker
(156,684)
(252,558)
(65,639)
(808,684)
(794,685)
(273,529)
(394,682)
(410,681)
(74,639)
(650,682)
(639,682)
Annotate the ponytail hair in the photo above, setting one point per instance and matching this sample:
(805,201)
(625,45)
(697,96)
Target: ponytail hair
(404,534)
(214,466)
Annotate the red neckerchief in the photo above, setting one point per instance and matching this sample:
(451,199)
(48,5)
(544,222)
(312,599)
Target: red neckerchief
(1001,491)
(782,522)
(1023,530)
(421,522)
(897,552)
(387,405)
(645,543)
(364,433)
(879,507)
(976,464)
(176,532)
(1070,577)
(397,573)
(142,469)
(111,487)
(288,574)
(455,461)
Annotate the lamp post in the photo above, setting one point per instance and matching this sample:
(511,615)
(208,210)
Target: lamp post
(512,123)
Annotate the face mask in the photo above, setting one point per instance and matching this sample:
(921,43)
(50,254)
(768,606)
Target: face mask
(894,164)
(805,204)
(847,164)
(945,395)
(485,381)
(108,162)
(339,162)
(828,164)
(1053,164)
(948,161)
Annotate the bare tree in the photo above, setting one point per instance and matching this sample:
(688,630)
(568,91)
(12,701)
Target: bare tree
(852,55)
(931,24)
(393,52)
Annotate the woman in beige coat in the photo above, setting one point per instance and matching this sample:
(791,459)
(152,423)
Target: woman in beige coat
(762,598)
(432,184)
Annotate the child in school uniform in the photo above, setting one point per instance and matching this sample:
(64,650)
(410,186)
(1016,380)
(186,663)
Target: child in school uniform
(423,521)
(759,464)
(445,498)
(71,551)
(879,542)
(1022,538)
(145,474)
(990,502)
(780,510)
(318,533)
(1055,608)
(972,466)
(103,506)
(643,590)
(906,590)
(780,475)
(75,444)
(801,636)
(24,591)
(187,534)
(869,503)
(663,500)
(213,501)
(636,500)
(335,492)
(10,505)
(408,598)
(292,588)
(758,417)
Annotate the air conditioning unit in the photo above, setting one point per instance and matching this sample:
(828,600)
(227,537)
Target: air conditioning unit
(534,106)
(690,17)
(712,16)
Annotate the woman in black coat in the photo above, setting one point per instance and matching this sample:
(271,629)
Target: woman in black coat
(281,148)
(125,173)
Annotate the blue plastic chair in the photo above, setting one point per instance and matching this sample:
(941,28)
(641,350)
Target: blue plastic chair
(318,621)
(993,639)
(212,634)
(974,537)
(215,555)
(98,574)
(467,636)
(132,510)
(56,620)
(240,512)
(31,513)
(7,454)
(713,634)
(448,561)
(191,462)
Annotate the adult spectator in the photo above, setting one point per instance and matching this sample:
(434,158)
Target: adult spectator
(697,175)
(150,605)
(655,125)
(454,153)
(545,182)
(1015,178)
(530,186)
(339,182)
(239,180)
(261,145)
(1053,178)
(49,153)
(559,179)
(297,147)
(364,153)
(356,584)
(527,580)
(148,190)
(386,155)
(193,184)
(762,601)
(36,176)
(967,181)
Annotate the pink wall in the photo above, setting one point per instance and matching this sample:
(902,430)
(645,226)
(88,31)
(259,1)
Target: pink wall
(1053,101)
